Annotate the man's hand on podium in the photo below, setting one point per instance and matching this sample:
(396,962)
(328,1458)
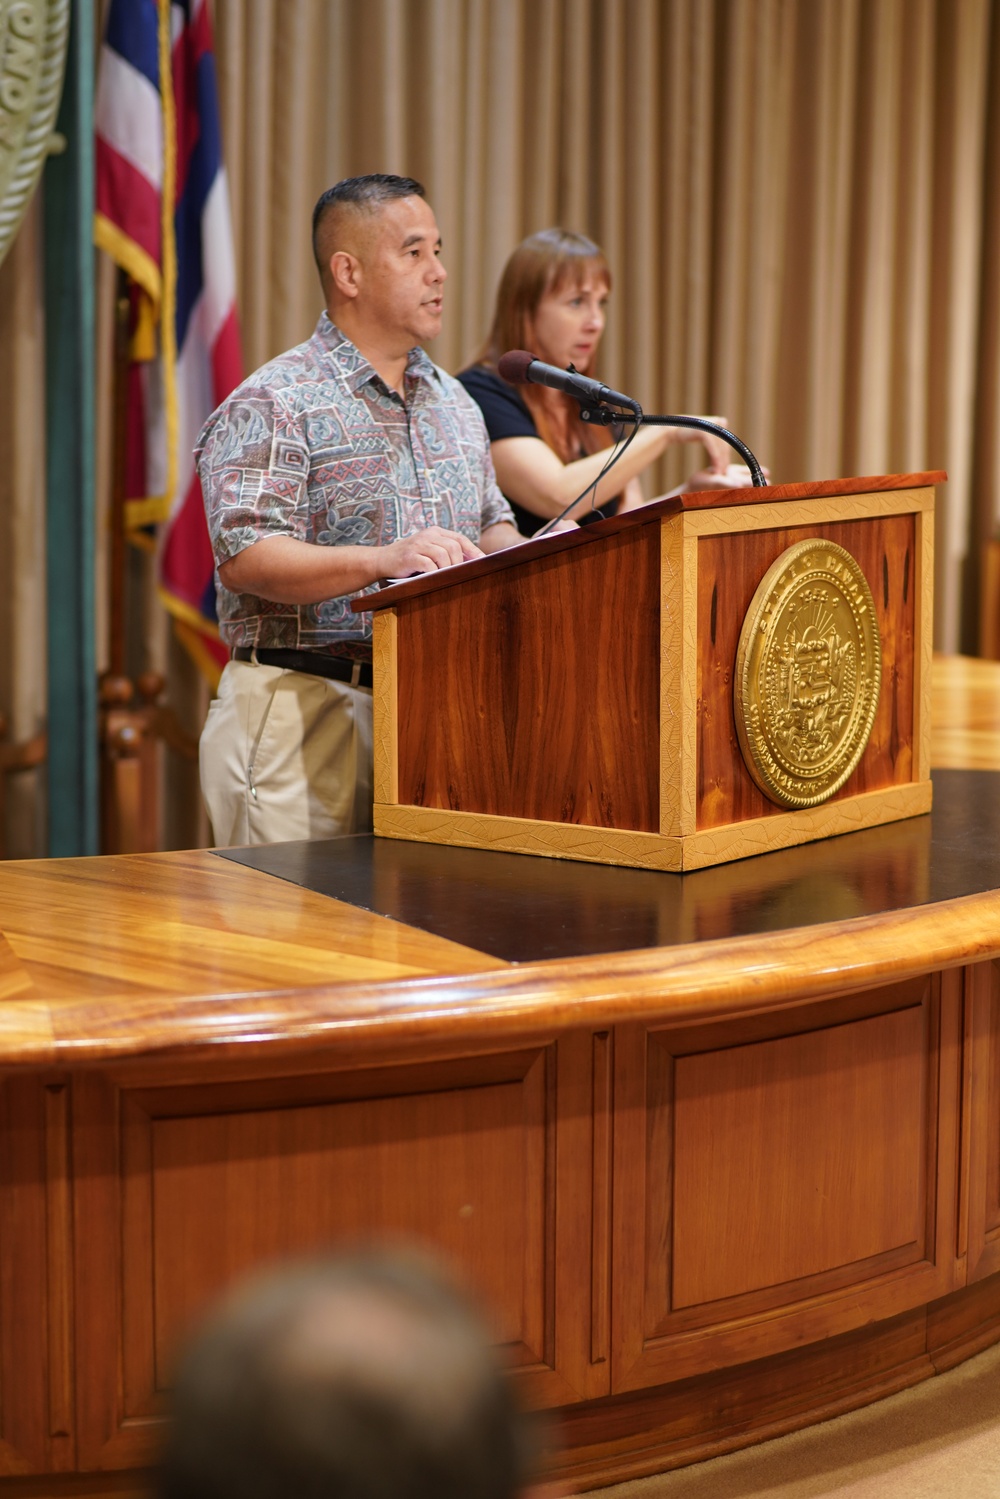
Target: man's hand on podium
(427,550)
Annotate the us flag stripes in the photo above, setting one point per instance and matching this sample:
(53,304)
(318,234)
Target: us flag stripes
(163,216)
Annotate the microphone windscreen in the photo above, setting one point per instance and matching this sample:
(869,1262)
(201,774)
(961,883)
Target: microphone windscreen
(513,366)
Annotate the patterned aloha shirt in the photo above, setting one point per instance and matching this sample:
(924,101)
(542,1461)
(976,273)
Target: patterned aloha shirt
(315,445)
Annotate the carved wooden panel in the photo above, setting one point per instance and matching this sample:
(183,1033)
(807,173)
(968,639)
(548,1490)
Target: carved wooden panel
(490,1161)
(783,1178)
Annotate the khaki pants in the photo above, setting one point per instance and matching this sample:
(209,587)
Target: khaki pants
(286,755)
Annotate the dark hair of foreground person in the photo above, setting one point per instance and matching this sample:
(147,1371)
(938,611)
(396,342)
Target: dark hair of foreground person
(352,1378)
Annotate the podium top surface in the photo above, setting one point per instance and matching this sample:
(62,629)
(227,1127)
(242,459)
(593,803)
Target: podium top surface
(563,541)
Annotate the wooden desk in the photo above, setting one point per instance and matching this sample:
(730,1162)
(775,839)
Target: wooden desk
(708,1190)
(965,731)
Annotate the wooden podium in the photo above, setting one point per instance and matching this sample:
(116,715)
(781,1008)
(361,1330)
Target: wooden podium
(574,696)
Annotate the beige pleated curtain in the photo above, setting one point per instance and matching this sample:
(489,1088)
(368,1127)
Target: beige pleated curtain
(798,199)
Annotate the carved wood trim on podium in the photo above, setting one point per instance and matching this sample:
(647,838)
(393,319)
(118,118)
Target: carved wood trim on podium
(574,697)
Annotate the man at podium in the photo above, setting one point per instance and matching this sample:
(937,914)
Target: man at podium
(343,462)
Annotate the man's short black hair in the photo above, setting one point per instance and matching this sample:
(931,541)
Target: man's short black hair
(359,1378)
(367,193)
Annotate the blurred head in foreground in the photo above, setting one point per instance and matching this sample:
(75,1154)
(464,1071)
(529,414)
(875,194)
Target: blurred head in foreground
(360,1378)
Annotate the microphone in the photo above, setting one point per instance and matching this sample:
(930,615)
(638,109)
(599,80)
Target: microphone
(518,367)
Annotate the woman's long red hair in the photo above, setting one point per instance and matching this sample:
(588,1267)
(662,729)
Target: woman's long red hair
(542,263)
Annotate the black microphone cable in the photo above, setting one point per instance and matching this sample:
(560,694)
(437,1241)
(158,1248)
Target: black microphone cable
(618,451)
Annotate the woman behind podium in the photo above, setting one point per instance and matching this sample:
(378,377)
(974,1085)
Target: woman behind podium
(551,301)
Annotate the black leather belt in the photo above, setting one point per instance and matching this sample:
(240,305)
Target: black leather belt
(338,668)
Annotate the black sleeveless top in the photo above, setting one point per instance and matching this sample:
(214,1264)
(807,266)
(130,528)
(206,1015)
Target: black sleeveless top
(506,415)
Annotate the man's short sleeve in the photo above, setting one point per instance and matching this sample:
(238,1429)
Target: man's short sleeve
(504,412)
(253,462)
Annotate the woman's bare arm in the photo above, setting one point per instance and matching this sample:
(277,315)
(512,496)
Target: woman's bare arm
(533,476)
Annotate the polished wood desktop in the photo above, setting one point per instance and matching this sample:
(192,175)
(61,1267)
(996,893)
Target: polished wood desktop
(708,1190)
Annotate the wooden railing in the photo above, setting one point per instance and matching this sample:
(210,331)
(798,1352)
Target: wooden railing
(15,758)
(134,726)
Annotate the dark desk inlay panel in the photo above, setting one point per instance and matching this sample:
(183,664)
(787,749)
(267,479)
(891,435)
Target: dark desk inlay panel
(522,908)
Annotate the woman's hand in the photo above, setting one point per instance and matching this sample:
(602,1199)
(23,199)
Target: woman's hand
(733,476)
(717,448)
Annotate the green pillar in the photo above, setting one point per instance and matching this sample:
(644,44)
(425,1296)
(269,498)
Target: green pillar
(69,380)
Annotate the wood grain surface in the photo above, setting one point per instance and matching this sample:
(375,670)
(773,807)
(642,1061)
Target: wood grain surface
(188,1184)
(699,850)
(965,707)
(14,979)
(563,541)
(524,835)
(140,954)
(535,692)
(553,713)
(709,1192)
(678,680)
(729,571)
(385,727)
(84,1017)
(984,1162)
(731,520)
(784,829)
(784,1168)
(805,1099)
(118,933)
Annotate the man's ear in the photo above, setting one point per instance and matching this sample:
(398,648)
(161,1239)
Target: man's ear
(345,274)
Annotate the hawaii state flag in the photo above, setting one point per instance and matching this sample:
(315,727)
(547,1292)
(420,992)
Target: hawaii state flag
(163,217)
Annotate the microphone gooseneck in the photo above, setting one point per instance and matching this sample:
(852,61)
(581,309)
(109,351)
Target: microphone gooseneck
(518,366)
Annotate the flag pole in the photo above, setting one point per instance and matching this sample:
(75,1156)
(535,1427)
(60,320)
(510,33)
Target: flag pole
(116,570)
(68,192)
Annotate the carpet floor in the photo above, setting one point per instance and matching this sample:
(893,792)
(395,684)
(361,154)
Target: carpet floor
(938,1440)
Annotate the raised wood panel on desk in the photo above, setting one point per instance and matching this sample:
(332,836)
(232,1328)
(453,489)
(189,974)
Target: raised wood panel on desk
(36,1418)
(490,1160)
(783,1179)
(984,1106)
(545,686)
(767,1169)
(729,571)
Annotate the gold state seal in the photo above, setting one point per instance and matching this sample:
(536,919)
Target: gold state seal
(808,672)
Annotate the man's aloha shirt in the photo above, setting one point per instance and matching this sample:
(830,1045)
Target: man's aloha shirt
(315,445)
